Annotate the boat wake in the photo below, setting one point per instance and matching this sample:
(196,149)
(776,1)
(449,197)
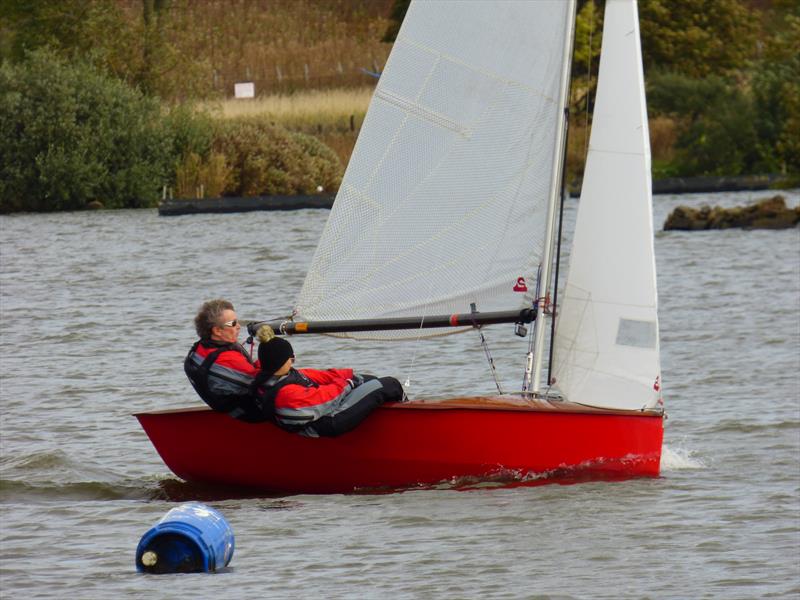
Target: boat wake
(680,459)
(513,478)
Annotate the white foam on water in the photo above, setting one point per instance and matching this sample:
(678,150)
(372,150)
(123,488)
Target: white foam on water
(680,459)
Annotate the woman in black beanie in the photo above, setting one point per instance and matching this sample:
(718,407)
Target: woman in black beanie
(312,402)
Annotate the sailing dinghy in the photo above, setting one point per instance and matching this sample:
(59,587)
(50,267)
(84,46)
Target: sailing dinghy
(447,217)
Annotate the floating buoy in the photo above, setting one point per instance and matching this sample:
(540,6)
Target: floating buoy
(190,538)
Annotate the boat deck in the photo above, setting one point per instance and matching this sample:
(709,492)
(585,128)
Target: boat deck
(505,402)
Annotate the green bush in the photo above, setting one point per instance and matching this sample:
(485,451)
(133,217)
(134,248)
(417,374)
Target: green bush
(195,177)
(266,159)
(72,135)
(776,90)
(717,131)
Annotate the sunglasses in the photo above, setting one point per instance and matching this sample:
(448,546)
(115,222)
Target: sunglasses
(231,323)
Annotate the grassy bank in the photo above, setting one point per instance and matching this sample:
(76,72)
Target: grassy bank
(335,116)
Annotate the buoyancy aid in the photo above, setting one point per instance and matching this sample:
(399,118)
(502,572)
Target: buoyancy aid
(224,389)
(294,408)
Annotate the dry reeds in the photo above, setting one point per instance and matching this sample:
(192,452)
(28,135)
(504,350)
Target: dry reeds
(663,135)
(198,178)
(304,111)
(333,116)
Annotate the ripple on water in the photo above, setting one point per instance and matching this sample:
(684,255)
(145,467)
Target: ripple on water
(97,320)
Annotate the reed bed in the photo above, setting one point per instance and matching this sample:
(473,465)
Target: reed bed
(304,111)
(333,116)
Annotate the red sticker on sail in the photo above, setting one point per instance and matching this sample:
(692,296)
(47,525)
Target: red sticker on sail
(520,286)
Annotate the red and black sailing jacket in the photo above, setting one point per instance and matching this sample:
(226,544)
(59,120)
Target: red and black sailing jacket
(304,395)
(222,375)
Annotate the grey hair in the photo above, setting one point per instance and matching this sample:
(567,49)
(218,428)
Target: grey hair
(210,315)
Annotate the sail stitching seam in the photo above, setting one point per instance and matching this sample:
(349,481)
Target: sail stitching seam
(484,72)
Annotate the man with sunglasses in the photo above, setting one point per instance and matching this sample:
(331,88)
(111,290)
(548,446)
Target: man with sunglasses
(219,368)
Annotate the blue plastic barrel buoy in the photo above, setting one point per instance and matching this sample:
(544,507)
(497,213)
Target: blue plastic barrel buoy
(190,538)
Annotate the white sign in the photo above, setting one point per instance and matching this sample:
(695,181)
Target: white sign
(244,90)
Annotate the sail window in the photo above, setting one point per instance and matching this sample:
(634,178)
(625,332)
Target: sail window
(639,334)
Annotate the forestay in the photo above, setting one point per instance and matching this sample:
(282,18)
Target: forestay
(606,344)
(445,198)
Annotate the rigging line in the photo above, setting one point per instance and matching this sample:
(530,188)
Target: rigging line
(554,304)
(407,382)
(589,82)
(485,346)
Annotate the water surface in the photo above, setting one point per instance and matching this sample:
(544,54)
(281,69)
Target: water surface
(97,312)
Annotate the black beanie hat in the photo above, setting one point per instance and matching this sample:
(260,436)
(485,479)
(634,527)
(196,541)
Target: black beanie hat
(273,354)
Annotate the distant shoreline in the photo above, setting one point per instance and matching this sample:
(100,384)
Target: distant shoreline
(696,185)
(192,206)
(672,185)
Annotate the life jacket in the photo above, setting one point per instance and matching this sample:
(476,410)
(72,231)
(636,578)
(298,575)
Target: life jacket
(265,390)
(219,388)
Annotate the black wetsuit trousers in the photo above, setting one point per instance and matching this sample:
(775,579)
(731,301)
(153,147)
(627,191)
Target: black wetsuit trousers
(349,419)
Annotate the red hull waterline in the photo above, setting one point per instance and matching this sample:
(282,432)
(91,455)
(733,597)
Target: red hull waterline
(412,444)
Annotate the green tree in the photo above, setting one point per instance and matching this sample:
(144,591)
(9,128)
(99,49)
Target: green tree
(697,37)
(717,131)
(72,135)
(776,92)
(139,51)
(94,30)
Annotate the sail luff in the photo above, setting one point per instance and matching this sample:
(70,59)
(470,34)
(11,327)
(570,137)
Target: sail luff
(555,192)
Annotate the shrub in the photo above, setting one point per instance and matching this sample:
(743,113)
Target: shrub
(194,173)
(266,159)
(72,135)
(716,124)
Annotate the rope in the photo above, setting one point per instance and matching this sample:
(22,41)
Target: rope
(407,382)
(486,351)
(588,83)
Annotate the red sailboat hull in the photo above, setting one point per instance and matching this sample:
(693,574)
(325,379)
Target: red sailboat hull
(411,444)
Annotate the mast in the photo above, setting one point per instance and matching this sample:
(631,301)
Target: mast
(555,191)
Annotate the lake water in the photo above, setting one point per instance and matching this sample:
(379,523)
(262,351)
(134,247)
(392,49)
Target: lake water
(97,312)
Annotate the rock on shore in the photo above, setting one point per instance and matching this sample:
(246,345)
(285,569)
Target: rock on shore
(770,213)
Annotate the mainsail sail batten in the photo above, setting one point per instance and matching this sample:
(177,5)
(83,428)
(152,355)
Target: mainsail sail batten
(444,201)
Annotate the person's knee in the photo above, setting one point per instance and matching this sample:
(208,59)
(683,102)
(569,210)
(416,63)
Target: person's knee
(392,388)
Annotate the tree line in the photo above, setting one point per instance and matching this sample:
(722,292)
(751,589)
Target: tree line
(722,76)
(96,99)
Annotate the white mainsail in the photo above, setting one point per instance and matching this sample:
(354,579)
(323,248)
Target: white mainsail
(444,202)
(606,349)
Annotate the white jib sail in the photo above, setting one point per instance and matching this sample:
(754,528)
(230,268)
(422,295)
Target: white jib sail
(444,200)
(606,343)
